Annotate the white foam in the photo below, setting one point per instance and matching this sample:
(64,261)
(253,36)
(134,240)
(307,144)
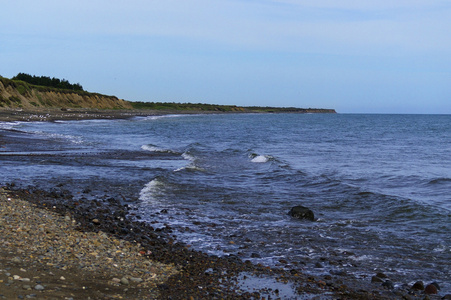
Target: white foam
(9,125)
(188,156)
(151,191)
(190,167)
(153,148)
(260,159)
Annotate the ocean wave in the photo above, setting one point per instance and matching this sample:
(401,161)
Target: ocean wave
(152,191)
(187,156)
(191,167)
(257,158)
(11,126)
(153,148)
(74,139)
(152,118)
(441,180)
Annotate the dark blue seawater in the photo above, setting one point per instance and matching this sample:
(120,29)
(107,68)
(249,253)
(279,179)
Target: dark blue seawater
(379,185)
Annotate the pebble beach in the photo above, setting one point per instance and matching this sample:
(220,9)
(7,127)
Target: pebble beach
(42,255)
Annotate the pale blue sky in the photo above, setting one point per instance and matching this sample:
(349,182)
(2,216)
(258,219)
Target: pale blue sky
(355,56)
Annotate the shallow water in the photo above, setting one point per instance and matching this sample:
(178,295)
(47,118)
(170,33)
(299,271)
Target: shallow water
(379,185)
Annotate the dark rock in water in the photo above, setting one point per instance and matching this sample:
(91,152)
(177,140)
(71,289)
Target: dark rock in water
(381,275)
(302,213)
(376,279)
(436,285)
(255,255)
(430,289)
(447,297)
(419,285)
(388,284)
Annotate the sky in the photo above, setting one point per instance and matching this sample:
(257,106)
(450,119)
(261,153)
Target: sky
(354,56)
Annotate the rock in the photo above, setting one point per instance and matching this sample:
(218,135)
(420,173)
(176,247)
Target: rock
(96,221)
(381,275)
(376,279)
(116,280)
(136,280)
(447,297)
(124,281)
(39,287)
(436,285)
(419,285)
(430,289)
(16,260)
(302,213)
(388,284)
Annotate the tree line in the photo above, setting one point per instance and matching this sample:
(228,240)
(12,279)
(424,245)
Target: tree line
(47,81)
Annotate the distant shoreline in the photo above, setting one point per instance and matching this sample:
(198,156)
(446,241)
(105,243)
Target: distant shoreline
(23,100)
(14,115)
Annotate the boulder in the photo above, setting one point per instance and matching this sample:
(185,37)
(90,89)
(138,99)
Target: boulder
(302,213)
(419,285)
(430,289)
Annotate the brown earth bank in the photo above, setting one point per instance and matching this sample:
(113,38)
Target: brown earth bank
(21,95)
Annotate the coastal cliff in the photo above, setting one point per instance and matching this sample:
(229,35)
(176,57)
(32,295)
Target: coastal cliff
(16,94)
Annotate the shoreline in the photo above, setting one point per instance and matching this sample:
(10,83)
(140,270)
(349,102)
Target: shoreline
(110,247)
(49,115)
(199,276)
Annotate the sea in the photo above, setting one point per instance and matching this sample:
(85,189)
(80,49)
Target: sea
(379,185)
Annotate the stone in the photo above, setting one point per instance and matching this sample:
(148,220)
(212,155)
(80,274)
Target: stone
(39,287)
(419,285)
(381,275)
(16,260)
(116,280)
(124,281)
(136,279)
(430,289)
(302,213)
(436,285)
(388,284)
(376,279)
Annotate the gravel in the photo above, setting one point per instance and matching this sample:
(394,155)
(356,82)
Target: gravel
(42,252)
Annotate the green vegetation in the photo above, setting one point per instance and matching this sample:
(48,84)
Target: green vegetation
(47,81)
(223,108)
(184,106)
